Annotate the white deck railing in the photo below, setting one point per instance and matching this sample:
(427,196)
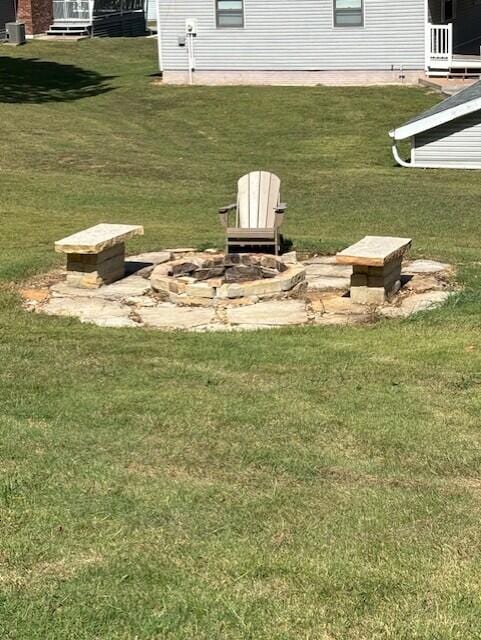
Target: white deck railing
(71,10)
(439,46)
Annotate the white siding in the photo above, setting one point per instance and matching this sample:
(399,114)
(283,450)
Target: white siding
(456,143)
(296,35)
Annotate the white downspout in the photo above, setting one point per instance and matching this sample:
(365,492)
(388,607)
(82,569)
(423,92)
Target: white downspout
(159,37)
(397,157)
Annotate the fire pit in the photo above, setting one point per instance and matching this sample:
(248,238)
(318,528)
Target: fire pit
(209,291)
(208,279)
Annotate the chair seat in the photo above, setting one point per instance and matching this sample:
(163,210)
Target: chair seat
(239,232)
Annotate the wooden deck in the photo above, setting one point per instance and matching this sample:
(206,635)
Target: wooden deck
(459,65)
(441,60)
(460,61)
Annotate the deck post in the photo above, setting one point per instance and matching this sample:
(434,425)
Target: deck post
(450,45)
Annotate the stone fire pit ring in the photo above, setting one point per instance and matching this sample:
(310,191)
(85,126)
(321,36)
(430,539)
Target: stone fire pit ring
(209,280)
(319,293)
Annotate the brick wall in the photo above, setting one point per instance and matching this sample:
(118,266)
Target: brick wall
(292,78)
(37,15)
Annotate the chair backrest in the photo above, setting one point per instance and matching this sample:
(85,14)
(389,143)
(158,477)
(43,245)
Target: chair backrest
(258,195)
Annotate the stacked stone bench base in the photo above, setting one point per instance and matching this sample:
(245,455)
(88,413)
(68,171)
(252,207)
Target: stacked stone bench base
(93,270)
(375,285)
(96,256)
(376,263)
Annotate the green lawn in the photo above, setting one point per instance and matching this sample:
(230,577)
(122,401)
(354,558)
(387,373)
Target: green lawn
(306,484)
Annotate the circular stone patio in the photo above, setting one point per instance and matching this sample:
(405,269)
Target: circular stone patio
(322,300)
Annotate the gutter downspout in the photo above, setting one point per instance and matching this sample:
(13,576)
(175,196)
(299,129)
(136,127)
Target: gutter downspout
(398,159)
(159,37)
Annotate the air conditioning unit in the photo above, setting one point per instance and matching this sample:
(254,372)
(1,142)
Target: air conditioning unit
(15,33)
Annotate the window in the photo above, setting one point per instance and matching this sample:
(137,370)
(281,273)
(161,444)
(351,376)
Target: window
(229,13)
(348,13)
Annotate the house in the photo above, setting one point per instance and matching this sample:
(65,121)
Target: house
(446,136)
(77,17)
(317,41)
(36,14)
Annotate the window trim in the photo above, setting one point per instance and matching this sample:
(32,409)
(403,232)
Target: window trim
(218,12)
(335,11)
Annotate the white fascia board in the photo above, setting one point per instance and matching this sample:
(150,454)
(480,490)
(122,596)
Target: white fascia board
(430,122)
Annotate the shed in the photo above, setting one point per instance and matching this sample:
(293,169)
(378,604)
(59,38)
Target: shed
(446,136)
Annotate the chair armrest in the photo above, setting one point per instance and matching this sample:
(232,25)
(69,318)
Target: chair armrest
(224,213)
(280,210)
(229,207)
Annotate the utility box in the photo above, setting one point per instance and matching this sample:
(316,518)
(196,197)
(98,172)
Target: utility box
(191,26)
(15,33)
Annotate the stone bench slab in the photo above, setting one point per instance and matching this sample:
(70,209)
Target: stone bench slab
(98,238)
(374,251)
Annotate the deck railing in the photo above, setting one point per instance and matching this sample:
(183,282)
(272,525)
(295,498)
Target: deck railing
(86,10)
(439,45)
(71,10)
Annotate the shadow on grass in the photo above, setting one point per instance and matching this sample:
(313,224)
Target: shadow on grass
(34,81)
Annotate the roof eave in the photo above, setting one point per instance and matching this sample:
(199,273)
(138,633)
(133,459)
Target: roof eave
(435,120)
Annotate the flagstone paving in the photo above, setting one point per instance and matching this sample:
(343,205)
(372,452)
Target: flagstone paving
(169,316)
(130,286)
(415,304)
(105,313)
(131,302)
(426,266)
(276,313)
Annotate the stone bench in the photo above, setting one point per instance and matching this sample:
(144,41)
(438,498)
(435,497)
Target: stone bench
(96,256)
(376,263)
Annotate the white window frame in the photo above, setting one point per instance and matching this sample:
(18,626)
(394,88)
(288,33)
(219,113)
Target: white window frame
(349,26)
(216,25)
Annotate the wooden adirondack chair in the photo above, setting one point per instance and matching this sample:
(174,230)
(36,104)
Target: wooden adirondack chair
(259,212)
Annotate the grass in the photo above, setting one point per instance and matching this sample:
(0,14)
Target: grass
(310,483)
